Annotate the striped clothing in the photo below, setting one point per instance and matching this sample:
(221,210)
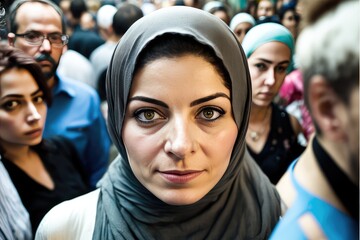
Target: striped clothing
(14,219)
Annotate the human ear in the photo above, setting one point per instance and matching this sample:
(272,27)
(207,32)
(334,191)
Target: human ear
(324,105)
(65,48)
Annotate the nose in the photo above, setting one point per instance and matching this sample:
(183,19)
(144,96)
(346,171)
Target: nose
(270,77)
(181,140)
(33,114)
(46,45)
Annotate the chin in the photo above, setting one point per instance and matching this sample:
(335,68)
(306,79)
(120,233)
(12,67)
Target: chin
(179,197)
(35,142)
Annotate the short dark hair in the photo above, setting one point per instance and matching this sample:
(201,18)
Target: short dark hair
(77,8)
(13,25)
(124,17)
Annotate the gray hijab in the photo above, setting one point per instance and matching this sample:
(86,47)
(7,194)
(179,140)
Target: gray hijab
(243,205)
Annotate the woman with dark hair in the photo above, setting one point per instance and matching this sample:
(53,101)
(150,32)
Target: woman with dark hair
(44,172)
(179,96)
(273,134)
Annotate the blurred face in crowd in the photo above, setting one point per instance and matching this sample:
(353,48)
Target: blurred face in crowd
(169,135)
(265,8)
(349,121)
(222,15)
(241,29)
(289,21)
(268,65)
(22,109)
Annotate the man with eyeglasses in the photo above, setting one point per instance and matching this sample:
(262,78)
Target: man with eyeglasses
(37,27)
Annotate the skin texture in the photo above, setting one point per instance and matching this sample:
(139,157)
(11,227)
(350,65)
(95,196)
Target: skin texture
(41,18)
(170,145)
(22,110)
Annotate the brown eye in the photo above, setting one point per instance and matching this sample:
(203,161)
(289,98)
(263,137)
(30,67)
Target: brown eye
(210,113)
(10,105)
(149,115)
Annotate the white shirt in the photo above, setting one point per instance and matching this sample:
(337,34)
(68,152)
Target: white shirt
(73,219)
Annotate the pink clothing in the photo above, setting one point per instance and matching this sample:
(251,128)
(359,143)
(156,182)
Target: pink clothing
(292,91)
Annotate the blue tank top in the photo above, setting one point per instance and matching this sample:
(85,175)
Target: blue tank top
(334,223)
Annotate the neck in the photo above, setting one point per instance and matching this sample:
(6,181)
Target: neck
(259,113)
(17,153)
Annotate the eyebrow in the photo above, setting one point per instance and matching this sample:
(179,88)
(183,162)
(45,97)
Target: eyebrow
(208,98)
(21,96)
(193,103)
(269,62)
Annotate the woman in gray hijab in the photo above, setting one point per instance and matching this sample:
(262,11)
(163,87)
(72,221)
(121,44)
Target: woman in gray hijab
(179,96)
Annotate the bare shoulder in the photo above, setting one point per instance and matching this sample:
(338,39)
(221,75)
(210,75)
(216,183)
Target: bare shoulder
(73,219)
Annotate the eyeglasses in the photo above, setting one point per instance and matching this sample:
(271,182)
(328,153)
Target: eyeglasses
(57,40)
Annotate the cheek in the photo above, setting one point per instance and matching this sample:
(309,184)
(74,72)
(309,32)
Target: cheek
(42,110)
(279,80)
(225,144)
(30,50)
(9,126)
(56,54)
(141,148)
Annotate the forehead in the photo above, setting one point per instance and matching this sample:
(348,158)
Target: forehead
(38,16)
(265,3)
(178,74)
(271,51)
(243,25)
(17,81)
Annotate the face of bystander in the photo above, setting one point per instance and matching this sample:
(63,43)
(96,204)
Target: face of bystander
(22,109)
(268,65)
(35,17)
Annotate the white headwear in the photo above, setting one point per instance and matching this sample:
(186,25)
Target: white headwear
(105,16)
(240,18)
(211,5)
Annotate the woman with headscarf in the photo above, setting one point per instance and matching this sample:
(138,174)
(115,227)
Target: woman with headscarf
(240,24)
(273,134)
(179,96)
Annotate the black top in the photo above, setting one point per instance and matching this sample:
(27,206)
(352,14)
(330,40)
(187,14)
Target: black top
(281,146)
(60,159)
(85,41)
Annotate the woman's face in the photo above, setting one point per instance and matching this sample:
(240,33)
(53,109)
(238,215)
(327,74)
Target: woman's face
(22,109)
(267,65)
(241,29)
(290,22)
(179,131)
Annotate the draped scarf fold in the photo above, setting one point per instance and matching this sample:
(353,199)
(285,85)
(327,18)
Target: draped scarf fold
(243,204)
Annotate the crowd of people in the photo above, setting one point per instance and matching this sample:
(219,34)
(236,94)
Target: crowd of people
(179,119)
